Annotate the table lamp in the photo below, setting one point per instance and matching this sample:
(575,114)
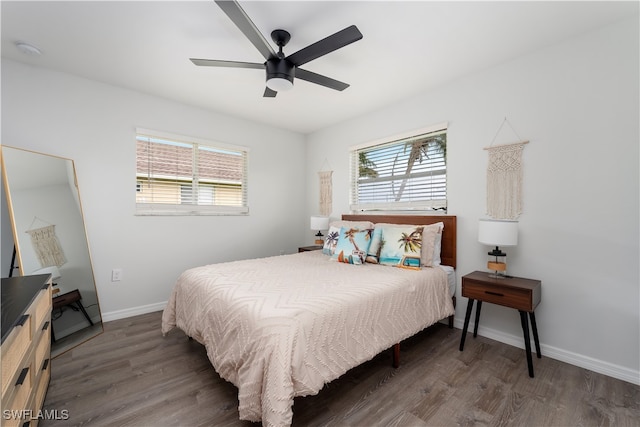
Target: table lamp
(497,233)
(319,223)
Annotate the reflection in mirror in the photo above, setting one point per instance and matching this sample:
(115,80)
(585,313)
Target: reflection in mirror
(49,237)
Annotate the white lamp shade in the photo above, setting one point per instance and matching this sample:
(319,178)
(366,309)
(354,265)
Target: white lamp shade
(319,223)
(495,232)
(53,271)
(279,84)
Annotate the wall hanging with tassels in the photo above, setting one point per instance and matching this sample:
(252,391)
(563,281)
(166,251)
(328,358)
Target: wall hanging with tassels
(326,192)
(504,178)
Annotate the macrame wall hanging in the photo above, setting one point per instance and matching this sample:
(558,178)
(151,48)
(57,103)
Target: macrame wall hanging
(504,178)
(47,246)
(326,189)
(326,193)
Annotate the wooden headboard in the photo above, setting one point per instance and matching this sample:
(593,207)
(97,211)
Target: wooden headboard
(449,234)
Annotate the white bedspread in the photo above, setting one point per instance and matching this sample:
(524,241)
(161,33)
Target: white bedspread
(283,326)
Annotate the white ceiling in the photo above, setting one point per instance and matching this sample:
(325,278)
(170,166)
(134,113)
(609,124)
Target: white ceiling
(407,48)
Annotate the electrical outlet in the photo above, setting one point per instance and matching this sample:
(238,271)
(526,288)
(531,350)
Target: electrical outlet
(116,275)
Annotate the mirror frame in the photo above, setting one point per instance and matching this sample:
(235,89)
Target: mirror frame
(77,337)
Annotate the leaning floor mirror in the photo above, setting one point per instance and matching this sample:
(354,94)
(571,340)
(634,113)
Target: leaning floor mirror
(48,236)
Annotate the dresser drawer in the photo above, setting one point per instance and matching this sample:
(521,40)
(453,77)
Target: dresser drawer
(18,395)
(19,341)
(40,387)
(44,344)
(520,299)
(42,307)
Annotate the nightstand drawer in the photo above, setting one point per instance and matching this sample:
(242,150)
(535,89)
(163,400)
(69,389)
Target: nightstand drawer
(519,299)
(514,292)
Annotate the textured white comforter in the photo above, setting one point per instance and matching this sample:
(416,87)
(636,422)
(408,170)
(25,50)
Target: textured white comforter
(283,326)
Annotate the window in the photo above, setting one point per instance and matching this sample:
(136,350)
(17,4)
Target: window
(178,175)
(407,173)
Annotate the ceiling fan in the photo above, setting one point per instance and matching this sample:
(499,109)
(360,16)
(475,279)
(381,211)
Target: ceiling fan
(282,69)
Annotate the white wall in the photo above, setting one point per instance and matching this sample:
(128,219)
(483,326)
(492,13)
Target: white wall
(94,124)
(577,104)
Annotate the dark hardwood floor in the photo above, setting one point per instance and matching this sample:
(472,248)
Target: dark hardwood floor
(133,376)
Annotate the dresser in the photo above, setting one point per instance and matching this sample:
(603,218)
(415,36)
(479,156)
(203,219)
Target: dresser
(26,348)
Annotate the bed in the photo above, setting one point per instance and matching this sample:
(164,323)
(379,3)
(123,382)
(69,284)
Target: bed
(284,326)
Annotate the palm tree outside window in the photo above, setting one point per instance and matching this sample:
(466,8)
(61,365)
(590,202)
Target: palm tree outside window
(402,174)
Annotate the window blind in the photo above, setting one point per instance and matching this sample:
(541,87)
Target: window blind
(404,174)
(175,176)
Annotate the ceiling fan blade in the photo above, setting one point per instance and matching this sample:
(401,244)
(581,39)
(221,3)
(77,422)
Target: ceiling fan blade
(269,93)
(320,79)
(230,64)
(326,45)
(248,28)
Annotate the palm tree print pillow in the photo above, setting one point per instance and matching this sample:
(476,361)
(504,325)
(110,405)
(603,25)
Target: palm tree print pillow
(401,246)
(352,245)
(331,241)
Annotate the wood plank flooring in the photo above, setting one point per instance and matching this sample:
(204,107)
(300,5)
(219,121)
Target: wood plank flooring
(133,376)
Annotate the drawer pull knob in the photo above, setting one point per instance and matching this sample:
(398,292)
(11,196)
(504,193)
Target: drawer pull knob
(494,293)
(45,326)
(45,364)
(23,319)
(22,376)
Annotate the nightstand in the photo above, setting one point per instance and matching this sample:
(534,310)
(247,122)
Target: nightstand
(310,248)
(72,299)
(513,292)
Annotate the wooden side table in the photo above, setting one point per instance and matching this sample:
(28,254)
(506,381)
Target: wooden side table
(514,292)
(310,248)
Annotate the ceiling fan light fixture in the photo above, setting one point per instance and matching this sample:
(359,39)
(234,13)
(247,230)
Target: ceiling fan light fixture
(279,84)
(280,73)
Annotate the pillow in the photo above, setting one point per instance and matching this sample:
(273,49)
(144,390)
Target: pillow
(431,243)
(437,247)
(373,254)
(329,246)
(352,246)
(331,240)
(401,246)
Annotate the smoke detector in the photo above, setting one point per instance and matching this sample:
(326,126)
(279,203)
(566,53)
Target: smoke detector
(28,49)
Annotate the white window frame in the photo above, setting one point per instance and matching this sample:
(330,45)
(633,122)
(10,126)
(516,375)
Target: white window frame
(194,209)
(423,204)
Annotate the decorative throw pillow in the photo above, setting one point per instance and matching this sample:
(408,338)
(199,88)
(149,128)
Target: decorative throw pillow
(431,237)
(331,240)
(437,247)
(373,254)
(401,246)
(352,246)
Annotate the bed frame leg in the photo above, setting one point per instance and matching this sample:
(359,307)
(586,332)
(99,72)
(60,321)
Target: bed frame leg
(453,298)
(396,355)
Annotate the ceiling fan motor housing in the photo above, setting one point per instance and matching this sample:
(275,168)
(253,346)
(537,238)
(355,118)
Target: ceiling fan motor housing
(280,68)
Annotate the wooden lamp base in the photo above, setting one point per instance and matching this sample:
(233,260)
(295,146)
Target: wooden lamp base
(498,268)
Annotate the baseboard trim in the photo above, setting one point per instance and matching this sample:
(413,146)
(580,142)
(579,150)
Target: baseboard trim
(586,362)
(134,311)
